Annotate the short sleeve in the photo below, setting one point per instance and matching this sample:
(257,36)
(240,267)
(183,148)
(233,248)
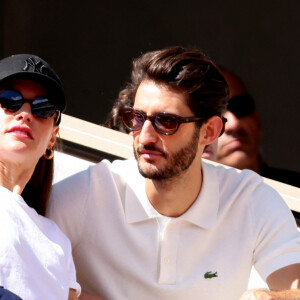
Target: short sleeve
(73,284)
(67,205)
(277,237)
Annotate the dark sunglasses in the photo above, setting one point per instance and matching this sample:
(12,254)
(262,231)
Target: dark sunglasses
(162,122)
(241,105)
(41,107)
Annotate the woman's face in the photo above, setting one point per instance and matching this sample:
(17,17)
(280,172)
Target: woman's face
(24,137)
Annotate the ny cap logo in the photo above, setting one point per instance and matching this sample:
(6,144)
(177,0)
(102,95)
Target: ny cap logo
(36,67)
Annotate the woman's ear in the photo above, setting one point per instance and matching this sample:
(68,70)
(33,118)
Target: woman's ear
(211,130)
(53,137)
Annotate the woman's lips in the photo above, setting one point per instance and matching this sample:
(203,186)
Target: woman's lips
(21,132)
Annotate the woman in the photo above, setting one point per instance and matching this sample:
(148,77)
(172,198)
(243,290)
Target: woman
(35,256)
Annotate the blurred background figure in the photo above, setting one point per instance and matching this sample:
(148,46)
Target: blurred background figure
(211,151)
(113,120)
(239,146)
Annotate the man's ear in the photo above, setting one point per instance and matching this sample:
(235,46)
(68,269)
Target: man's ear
(211,130)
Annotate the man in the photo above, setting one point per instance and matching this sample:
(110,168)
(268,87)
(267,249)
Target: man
(166,225)
(239,146)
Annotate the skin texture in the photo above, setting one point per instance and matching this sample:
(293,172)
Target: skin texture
(239,145)
(152,150)
(23,138)
(266,295)
(85,296)
(283,283)
(177,162)
(72,295)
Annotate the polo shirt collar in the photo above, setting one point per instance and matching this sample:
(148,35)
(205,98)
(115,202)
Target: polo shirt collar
(137,206)
(202,213)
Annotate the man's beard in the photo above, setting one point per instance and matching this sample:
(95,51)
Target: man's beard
(176,164)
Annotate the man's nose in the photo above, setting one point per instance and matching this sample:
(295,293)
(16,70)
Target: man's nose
(233,122)
(147,134)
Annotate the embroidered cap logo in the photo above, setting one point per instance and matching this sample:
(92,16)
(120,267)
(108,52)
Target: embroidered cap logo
(37,67)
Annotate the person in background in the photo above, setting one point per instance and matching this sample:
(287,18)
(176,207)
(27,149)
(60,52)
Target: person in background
(210,151)
(35,256)
(240,144)
(165,224)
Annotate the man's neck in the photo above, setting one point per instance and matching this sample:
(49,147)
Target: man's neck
(175,196)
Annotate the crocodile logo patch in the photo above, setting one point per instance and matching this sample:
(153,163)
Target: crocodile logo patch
(210,274)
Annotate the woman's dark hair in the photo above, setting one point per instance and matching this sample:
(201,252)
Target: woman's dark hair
(186,70)
(37,190)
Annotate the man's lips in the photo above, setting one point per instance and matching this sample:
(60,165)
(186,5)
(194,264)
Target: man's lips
(235,143)
(21,131)
(150,152)
(207,154)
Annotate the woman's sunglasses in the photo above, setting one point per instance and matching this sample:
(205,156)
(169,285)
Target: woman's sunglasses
(163,123)
(41,107)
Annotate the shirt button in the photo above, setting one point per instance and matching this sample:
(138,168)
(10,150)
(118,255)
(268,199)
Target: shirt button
(167,260)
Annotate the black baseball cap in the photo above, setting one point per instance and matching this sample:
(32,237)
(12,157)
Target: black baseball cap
(33,68)
(8,295)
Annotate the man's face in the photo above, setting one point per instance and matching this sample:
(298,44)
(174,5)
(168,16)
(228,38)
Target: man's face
(239,144)
(162,157)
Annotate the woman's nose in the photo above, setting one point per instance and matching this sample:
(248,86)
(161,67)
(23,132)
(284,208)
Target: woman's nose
(25,113)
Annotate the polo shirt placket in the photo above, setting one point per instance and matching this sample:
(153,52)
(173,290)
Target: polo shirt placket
(169,239)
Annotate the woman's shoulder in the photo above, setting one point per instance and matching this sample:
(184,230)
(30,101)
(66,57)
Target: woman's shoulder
(53,232)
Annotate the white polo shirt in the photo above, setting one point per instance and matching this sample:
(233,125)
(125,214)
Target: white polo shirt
(124,249)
